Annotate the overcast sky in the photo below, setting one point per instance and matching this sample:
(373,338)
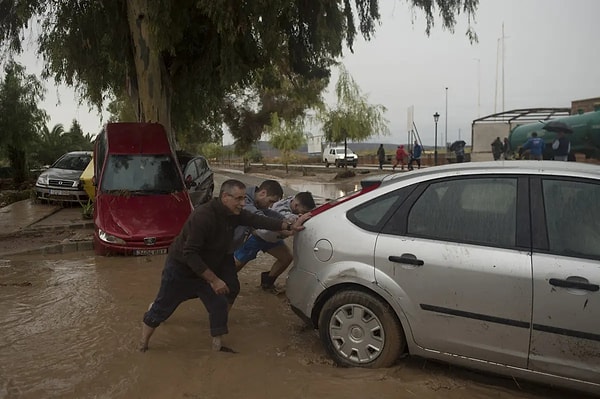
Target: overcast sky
(551,57)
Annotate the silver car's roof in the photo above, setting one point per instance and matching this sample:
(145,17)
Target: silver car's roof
(554,168)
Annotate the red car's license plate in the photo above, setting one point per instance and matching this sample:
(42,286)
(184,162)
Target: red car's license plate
(142,252)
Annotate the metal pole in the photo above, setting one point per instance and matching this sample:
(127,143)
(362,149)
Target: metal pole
(436,117)
(435,159)
(496,88)
(502,66)
(478,86)
(446,123)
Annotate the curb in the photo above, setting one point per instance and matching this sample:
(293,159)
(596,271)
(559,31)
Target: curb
(36,229)
(77,226)
(76,246)
(60,248)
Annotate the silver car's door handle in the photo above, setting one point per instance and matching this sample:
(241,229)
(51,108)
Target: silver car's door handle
(406,258)
(580,285)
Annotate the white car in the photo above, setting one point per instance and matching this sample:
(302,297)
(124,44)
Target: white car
(339,157)
(490,265)
(60,182)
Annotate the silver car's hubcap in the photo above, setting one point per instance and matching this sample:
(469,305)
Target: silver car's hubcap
(356,333)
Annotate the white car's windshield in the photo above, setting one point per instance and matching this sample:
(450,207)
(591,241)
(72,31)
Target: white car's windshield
(73,162)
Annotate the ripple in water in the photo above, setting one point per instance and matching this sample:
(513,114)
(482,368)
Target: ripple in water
(55,329)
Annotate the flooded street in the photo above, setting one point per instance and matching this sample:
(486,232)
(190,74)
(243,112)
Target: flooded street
(70,325)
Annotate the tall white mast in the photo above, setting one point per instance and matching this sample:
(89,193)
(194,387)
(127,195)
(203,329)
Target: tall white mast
(502,66)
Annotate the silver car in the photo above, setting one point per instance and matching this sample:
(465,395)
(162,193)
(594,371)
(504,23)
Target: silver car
(493,266)
(198,177)
(61,181)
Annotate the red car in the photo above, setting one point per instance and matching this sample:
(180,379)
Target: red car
(141,198)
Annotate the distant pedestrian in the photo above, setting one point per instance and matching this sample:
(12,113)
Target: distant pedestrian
(381,156)
(497,148)
(401,157)
(507,149)
(416,156)
(535,145)
(459,151)
(561,147)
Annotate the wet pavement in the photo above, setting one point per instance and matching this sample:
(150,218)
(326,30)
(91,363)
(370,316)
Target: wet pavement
(28,228)
(27,215)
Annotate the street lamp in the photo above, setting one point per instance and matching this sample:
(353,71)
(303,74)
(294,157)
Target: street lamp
(436,118)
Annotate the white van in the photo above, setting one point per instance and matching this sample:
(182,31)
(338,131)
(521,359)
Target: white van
(335,155)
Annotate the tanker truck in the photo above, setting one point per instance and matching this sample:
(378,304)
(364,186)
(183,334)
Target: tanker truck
(585,138)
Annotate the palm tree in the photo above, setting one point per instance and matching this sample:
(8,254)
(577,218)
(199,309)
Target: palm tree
(51,144)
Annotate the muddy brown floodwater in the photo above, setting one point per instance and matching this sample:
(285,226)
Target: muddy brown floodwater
(70,325)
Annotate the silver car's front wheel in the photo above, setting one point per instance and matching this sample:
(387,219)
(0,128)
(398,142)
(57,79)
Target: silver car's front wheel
(361,331)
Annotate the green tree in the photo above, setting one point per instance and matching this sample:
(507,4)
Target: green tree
(353,117)
(248,112)
(178,61)
(120,109)
(20,117)
(212,150)
(286,137)
(76,140)
(194,137)
(51,144)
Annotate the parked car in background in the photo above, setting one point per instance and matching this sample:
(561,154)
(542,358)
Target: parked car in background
(60,182)
(198,177)
(491,265)
(141,200)
(339,156)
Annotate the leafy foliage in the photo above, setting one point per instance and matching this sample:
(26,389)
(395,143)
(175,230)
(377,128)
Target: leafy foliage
(253,155)
(248,112)
(286,137)
(20,117)
(51,144)
(353,117)
(121,110)
(76,140)
(212,150)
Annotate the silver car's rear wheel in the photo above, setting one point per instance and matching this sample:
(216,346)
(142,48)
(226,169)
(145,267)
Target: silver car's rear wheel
(361,331)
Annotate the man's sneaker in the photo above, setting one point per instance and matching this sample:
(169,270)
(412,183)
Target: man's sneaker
(267,282)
